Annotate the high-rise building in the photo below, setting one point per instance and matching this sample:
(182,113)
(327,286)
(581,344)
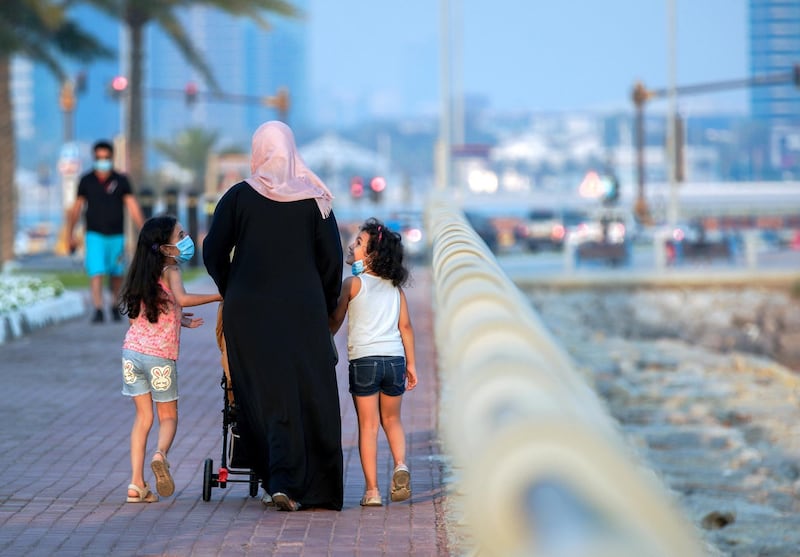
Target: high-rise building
(246,60)
(249,63)
(775,48)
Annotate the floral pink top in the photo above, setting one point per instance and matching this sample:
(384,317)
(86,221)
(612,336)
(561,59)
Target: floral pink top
(160,339)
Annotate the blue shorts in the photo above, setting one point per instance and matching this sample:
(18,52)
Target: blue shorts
(371,374)
(105,255)
(142,374)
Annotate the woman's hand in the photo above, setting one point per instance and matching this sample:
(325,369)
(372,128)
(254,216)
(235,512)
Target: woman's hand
(191,322)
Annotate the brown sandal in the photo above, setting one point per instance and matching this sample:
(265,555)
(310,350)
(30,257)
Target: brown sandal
(164,484)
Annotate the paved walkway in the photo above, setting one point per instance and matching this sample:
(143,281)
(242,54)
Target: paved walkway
(64,455)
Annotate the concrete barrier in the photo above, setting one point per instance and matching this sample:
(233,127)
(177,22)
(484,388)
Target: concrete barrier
(539,465)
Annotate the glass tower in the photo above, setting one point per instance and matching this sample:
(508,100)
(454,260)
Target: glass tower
(249,65)
(775,49)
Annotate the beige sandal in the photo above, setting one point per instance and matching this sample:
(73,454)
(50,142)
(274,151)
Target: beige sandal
(401,483)
(144,494)
(164,484)
(372,498)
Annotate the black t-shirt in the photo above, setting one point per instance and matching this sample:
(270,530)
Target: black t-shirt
(104,202)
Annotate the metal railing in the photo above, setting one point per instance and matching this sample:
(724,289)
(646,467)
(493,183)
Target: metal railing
(539,467)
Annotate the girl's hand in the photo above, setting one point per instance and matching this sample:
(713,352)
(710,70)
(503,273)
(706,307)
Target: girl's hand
(411,377)
(191,322)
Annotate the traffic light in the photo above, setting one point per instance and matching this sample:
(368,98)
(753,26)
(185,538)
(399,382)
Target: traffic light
(80,82)
(612,191)
(376,187)
(191,93)
(118,86)
(356,187)
(797,75)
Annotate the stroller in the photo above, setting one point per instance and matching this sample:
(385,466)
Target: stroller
(234,458)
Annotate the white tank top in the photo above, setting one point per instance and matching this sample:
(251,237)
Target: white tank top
(373,316)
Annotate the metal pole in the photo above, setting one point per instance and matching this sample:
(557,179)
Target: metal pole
(639,98)
(672,211)
(445,142)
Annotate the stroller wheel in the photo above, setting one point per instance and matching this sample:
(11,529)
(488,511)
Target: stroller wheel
(253,484)
(208,473)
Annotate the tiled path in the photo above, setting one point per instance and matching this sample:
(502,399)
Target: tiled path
(64,457)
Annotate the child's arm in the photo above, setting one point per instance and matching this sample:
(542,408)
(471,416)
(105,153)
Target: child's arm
(184,299)
(407,336)
(350,287)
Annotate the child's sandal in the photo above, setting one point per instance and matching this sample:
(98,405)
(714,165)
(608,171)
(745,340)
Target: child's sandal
(143,495)
(164,484)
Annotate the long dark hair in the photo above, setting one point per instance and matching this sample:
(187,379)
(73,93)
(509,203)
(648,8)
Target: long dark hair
(141,286)
(385,252)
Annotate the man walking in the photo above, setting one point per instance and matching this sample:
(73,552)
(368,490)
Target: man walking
(105,194)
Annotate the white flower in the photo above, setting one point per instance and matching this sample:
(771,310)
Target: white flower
(18,291)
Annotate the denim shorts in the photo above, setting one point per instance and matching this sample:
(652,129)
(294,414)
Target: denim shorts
(142,374)
(371,374)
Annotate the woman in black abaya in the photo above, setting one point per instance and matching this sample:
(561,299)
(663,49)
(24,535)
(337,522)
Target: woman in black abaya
(279,286)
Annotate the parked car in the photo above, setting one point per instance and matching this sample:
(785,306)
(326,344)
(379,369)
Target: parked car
(548,228)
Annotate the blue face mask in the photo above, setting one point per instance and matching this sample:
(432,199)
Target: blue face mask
(357,267)
(185,248)
(103,165)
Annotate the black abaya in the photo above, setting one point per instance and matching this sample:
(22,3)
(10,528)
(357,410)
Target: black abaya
(279,287)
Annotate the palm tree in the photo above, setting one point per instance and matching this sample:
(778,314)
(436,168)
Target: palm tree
(40,30)
(190,151)
(136,15)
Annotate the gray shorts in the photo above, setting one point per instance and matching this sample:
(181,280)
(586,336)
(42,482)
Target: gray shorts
(142,374)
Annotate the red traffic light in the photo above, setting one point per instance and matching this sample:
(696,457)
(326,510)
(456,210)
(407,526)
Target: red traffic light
(191,92)
(378,184)
(356,187)
(119,83)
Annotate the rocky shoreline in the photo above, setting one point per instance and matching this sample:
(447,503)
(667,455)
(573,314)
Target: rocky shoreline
(694,378)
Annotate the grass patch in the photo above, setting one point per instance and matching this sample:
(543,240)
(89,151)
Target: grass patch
(77,279)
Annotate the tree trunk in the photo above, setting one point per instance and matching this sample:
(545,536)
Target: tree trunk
(8,159)
(135,123)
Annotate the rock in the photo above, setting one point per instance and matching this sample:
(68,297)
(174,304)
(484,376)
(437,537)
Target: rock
(716,520)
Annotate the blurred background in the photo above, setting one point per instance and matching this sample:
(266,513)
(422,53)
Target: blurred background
(577,121)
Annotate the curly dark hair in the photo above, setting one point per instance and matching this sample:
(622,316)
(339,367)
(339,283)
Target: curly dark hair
(141,286)
(385,252)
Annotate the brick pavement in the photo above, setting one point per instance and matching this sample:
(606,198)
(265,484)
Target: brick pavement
(64,453)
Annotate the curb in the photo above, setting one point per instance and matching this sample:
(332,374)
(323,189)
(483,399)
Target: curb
(15,324)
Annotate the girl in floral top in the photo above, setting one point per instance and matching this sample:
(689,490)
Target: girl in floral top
(153,297)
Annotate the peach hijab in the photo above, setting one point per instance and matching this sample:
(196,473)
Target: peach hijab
(278,172)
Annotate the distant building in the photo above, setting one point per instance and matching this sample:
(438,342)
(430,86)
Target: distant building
(249,64)
(775,48)
(246,60)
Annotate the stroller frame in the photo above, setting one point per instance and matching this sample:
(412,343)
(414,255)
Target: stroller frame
(223,476)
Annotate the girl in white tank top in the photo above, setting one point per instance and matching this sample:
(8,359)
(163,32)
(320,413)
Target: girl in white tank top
(380,350)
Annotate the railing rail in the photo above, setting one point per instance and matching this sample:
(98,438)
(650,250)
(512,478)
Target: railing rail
(539,466)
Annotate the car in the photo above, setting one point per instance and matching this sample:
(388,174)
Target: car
(692,241)
(484,227)
(409,224)
(605,237)
(548,228)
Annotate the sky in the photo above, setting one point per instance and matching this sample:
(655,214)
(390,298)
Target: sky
(542,55)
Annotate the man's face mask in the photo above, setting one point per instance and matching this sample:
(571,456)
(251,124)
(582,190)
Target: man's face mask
(103,165)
